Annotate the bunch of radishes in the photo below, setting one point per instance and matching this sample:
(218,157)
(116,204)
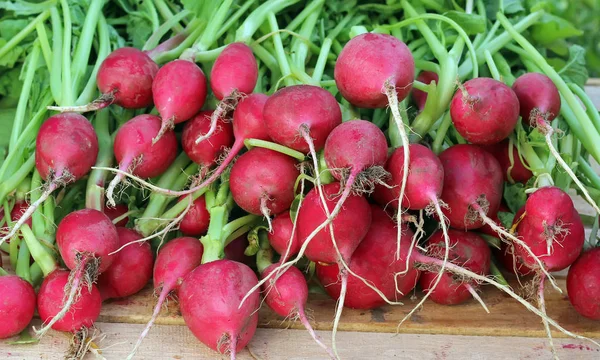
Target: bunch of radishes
(307,178)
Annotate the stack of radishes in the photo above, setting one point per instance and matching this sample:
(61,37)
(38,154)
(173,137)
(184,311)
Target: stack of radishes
(307,184)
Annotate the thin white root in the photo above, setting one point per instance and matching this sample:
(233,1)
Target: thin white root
(392,95)
(480,278)
(219,111)
(542,306)
(563,164)
(264,209)
(30,210)
(417,236)
(294,227)
(445,262)
(111,188)
(477,297)
(159,303)
(507,235)
(313,334)
(338,311)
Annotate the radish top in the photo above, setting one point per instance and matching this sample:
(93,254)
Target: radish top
(234,69)
(366,62)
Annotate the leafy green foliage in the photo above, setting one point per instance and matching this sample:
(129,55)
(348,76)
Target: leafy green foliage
(472,24)
(514,196)
(575,70)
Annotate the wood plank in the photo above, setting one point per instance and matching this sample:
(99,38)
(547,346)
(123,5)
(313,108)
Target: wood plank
(176,342)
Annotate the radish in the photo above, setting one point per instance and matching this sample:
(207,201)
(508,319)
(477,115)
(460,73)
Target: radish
(174,261)
(209,300)
(124,78)
(130,270)
(116,212)
(235,251)
(82,313)
(475,112)
(468,250)
(472,186)
(374,260)
(540,105)
(301,116)
(419,96)
(85,238)
(262,181)
(511,262)
(583,284)
(513,167)
(282,234)
(486,229)
(179,91)
(205,153)
(17,211)
(136,153)
(66,149)
(196,219)
(17,305)
(233,75)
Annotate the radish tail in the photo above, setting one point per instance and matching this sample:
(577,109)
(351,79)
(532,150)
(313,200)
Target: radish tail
(264,209)
(166,125)
(338,310)
(477,297)
(226,106)
(30,210)
(164,293)
(123,166)
(542,306)
(233,347)
(100,103)
(313,334)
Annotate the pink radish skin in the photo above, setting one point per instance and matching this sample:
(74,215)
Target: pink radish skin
(131,268)
(115,212)
(17,305)
(367,62)
(234,251)
(209,298)
(84,311)
(518,172)
(551,228)
(207,152)
(234,69)
(295,112)
(350,225)
(583,284)
(126,75)
(469,172)
(195,221)
(133,144)
(281,234)
(375,260)
(420,97)
(467,250)
(537,92)
(262,181)
(174,261)
(424,182)
(179,92)
(476,115)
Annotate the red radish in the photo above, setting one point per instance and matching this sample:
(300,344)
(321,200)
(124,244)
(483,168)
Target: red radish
(472,185)
(281,234)
(17,305)
(476,115)
(195,221)
(262,181)
(287,296)
(468,250)
(300,116)
(209,299)
(179,91)
(85,238)
(369,61)
(206,153)
(583,284)
(375,260)
(486,229)
(137,154)
(350,225)
(174,261)
(66,148)
(511,262)
(551,228)
(233,75)
(537,95)
(116,212)
(419,96)
(15,214)
(82,313)
(124,78)
(131,267)
(515,170)
(235,251)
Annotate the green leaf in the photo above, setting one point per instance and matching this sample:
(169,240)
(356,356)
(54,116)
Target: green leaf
(506,219)
(508,7)
(139,30)
(11,57)
(20,7)
(10,85)
(575,70)
(551,28)
(24,338)
(515,196)
(471,23)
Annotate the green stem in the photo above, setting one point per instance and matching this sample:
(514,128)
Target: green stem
(233,19)
(302,16)
(45,44)
(3,272)
(10,184)
(89,91)
(37,219)
(238,223)
(427,66)
(14,251)
(280,51)
(213,242)
(159,33)
(441,133)
(39,253)
(67,83)
(492,65)
(166,13)
(497,274)
(253,21)
(589,172)
(22,269)
(15,40)
(94,195)
(209,36)
(57,44)
(250,143)
(84,43)
(299,48)
(587,102)
(264,256)
(266,58)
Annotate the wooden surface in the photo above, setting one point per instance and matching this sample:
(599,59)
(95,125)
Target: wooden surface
(436,332)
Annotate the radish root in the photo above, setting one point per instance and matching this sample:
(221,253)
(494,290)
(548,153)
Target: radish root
(225,107)
(542,306)
(476,296)
(304,320)
(100,103)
